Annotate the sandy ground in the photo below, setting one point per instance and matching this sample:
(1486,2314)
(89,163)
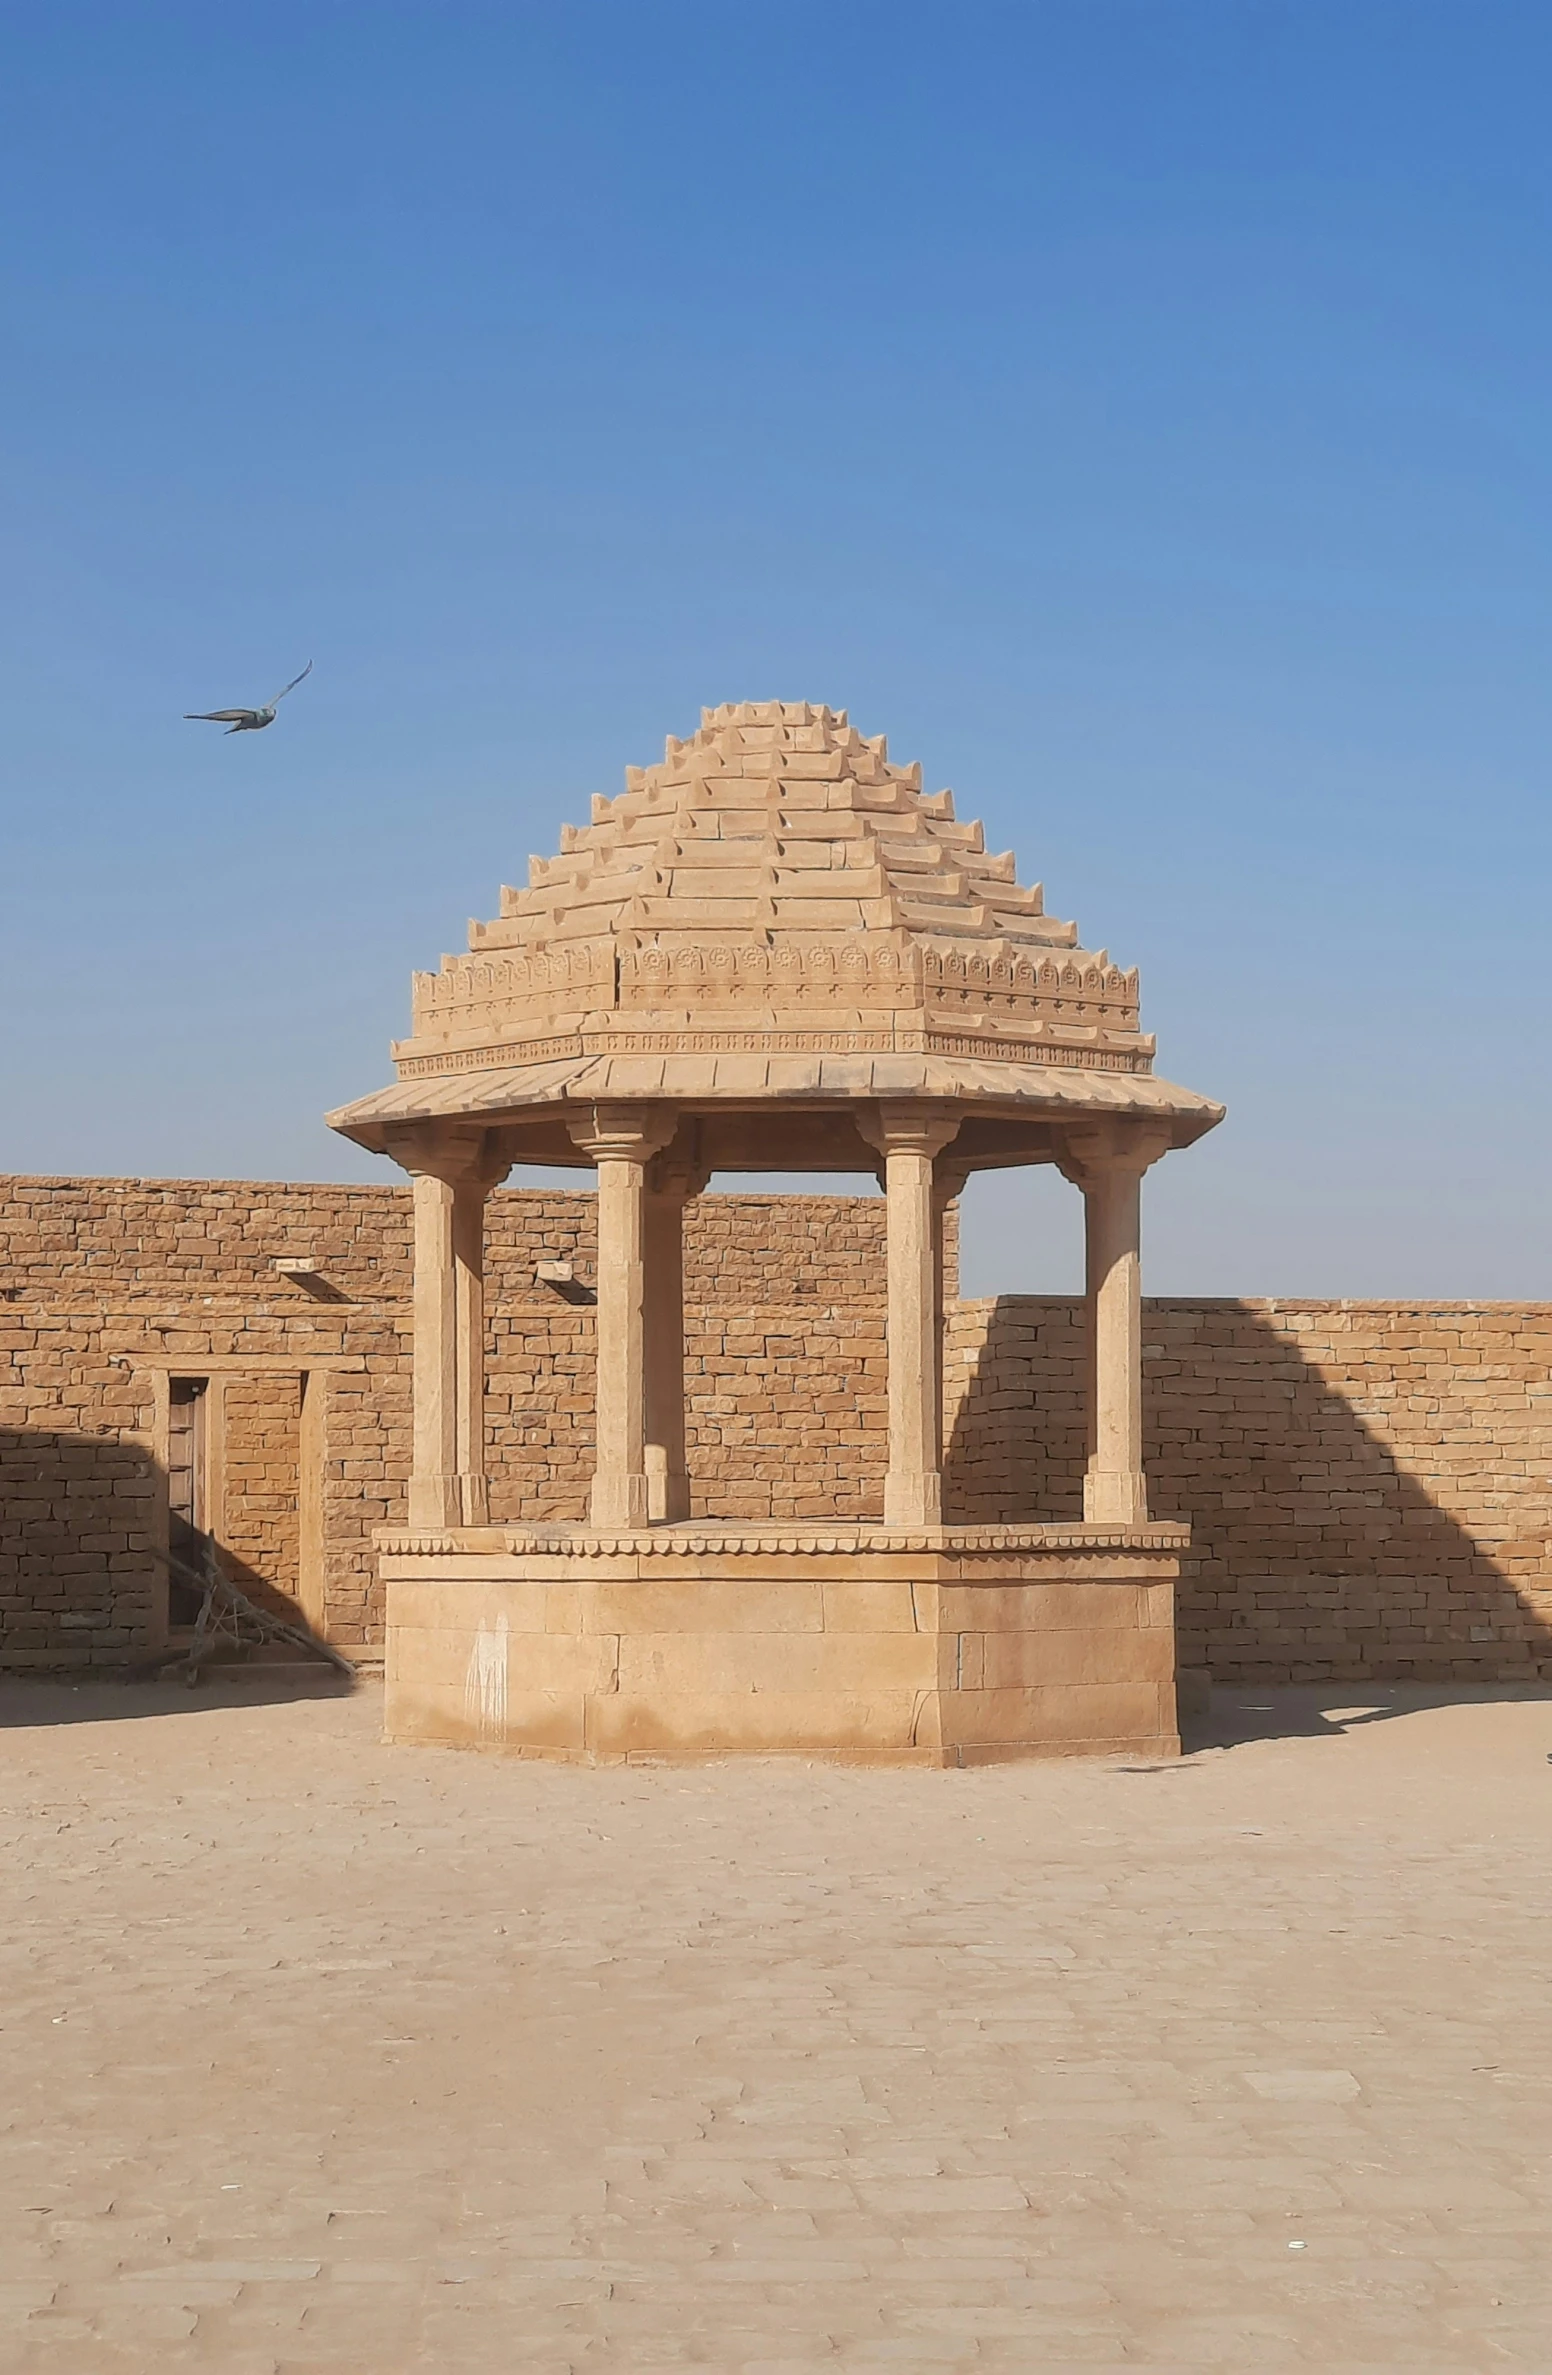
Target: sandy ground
(319,2054)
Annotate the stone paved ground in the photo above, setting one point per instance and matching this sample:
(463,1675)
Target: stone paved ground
(323,2055)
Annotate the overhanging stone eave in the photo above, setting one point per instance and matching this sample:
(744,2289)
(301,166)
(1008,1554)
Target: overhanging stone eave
(754,1084)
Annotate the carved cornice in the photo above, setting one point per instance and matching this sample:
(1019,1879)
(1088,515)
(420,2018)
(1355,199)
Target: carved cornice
(970,989)
(712,1541)
(1068,1051)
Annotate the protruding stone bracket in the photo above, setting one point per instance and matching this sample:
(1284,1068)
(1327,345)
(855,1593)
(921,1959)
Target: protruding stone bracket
(681,1171)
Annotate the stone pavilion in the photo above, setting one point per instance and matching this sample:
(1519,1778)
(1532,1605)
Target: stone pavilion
(773,952)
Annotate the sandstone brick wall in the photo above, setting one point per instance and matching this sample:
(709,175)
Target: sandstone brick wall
(1368,1483)
(786,1376)
(784,1355)
(260,1531)
(113,1283)
(108,1286)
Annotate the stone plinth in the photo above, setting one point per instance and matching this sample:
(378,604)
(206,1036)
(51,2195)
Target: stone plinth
(942,1646)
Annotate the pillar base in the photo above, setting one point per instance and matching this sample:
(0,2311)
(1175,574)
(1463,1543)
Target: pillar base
(435,1500)
(913,1500)
(1115,1497)
(668,1494)
(619,1501)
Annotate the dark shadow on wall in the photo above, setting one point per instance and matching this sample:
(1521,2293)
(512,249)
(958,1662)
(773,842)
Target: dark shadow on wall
(1316,1552)
(83,1585)
(79,1580)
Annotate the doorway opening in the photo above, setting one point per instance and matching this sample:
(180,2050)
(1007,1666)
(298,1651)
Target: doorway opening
(187,1490)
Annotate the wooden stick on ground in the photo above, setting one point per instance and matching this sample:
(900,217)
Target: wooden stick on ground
(227,1615)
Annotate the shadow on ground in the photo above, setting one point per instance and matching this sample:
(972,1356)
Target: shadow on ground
(1240,1713)
(30,1703)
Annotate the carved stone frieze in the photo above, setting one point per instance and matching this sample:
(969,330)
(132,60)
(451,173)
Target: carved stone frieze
(485,1059)
(1079,1054)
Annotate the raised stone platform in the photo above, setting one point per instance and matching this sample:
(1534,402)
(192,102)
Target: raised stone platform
(943,1646)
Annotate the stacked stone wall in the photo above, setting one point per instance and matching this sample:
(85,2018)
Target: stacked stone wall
(1368,1483)
(261,1469)
(787,1376)
(109,1285)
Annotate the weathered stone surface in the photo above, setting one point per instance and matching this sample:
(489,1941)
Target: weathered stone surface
(733,1648)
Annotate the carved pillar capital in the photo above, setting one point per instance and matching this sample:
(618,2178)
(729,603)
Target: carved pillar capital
(622,1133)
(461,1153)
(907,1129)
(1087,1150)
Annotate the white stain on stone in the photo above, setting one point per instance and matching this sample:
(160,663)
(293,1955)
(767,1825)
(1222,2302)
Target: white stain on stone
(485,1684)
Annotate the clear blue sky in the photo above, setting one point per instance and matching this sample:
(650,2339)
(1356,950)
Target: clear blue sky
(1140,412)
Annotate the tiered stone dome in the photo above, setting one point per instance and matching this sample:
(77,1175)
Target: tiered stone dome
(775,912)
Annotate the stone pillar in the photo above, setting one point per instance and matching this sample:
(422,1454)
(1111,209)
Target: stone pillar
(1107,1162)
(622,1141)
(452,1175)
(909,1139)
(672,1179)
(433,1496)
(948,1180)
(470,1194)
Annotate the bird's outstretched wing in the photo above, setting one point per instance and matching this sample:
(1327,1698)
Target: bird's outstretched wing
(291,687)
(218,717)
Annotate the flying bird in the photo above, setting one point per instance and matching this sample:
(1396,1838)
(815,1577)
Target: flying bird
(248,721)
